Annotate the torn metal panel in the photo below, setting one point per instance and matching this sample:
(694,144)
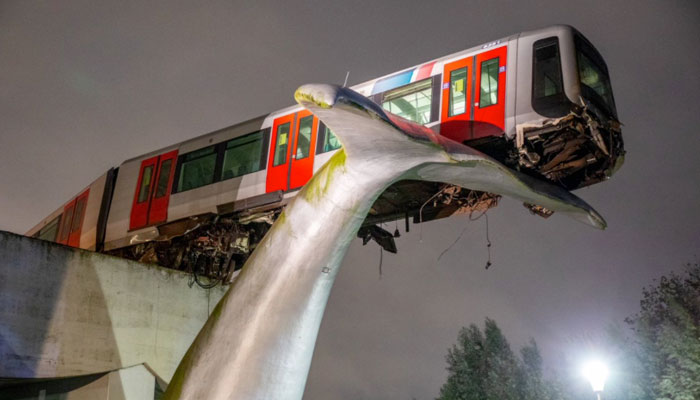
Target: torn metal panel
(575,150)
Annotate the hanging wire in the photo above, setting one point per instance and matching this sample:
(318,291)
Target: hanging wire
(488,242)
(453,243)
(381,258)
(420,213)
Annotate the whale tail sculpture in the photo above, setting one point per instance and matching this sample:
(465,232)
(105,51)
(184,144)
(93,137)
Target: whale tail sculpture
(258,342)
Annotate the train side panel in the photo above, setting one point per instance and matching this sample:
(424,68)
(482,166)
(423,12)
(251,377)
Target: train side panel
(186,199)
(75,223)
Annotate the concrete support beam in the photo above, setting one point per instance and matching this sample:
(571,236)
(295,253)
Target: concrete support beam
(66,312)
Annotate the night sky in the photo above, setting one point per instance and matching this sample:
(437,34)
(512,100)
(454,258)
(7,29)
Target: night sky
(84,86)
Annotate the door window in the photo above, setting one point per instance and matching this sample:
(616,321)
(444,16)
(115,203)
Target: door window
(458,92)
(163,178)
(145,187)
(281,144)
(78,215)
(489,83)
(304,137)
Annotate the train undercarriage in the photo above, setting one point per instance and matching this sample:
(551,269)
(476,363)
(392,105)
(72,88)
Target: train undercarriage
(574,151)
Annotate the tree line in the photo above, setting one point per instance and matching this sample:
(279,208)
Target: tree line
(658,356)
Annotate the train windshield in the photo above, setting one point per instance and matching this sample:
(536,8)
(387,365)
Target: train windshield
(593,73)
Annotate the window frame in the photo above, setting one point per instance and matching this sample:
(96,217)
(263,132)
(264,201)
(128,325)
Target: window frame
(321,137)
(161,176)
(436,84)
(263,155)
(277,139)
(481,80)
(148,187)
(54,223)
(582,47)
(183,159)
(558,104)
(220,150)
(450,98)
(311,132)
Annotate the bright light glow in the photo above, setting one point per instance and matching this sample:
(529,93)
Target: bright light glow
(596,372)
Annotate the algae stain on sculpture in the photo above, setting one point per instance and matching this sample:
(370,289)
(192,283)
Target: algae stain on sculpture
(259,340)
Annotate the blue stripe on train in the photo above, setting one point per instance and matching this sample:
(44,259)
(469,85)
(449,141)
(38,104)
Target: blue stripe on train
(393,81)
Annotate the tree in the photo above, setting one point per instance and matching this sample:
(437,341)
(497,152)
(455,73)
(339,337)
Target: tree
(667,337)
(482,366)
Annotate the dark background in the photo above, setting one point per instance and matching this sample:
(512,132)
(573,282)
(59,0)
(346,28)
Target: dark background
(85,85)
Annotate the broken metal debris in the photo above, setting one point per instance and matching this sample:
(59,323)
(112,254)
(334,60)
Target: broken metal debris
(576,150)
(538,210)
(379,235)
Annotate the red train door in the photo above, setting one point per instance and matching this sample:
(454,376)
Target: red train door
(490,93)
(164,181)
(76,225)
(280,150)
(152,193)
(302,164)
(72,221)
(456,100)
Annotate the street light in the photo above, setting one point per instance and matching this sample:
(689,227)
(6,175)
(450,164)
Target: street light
(596,372)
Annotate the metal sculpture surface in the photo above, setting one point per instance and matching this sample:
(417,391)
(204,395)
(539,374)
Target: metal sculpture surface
(258,342)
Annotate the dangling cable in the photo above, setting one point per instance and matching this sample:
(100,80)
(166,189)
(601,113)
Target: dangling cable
(453,243)
(488,242)
(420,213)
(381,258)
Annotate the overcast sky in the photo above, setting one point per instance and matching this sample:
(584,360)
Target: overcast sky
(84,86)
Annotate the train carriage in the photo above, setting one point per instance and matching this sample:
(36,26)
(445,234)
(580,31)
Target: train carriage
(539,102)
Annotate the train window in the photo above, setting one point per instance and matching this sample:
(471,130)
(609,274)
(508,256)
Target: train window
(548,97)
(197,169)
(281,145)
(163,178)
(145,188)
(65,225)
(547,79)
(78,215)
(304,137)
(412,102)
(50,231)
(327,141)
(458,92)
(242,155)
(489,83)
(593,74)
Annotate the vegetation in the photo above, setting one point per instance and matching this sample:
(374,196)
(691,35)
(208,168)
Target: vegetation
(658,359)
(482,366)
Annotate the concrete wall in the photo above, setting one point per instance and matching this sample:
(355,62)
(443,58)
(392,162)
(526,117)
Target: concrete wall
(66,312)
(132,383)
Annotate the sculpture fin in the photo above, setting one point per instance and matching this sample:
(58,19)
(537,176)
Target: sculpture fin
(366,130)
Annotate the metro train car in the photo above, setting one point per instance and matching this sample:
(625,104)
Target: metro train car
(539,101)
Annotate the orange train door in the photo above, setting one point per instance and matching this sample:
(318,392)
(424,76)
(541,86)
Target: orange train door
(152,193)
(490,93)
(457,99)
(280,150)
(302,164)
(72,220)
